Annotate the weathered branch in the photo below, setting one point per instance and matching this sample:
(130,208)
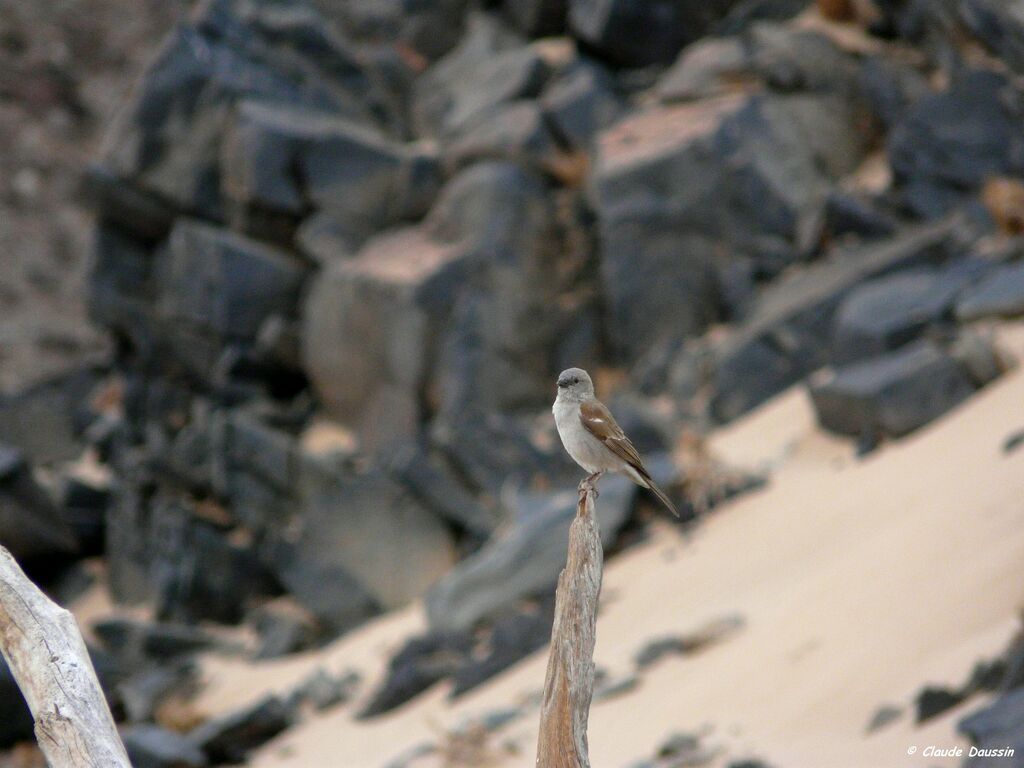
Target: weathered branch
(569,682)
(48,658)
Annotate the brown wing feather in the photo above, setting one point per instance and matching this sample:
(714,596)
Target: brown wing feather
(599,422)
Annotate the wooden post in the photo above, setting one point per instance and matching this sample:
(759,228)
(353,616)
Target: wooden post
(569,682)
(48,659)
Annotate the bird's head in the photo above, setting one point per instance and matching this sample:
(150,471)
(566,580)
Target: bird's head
(575,384)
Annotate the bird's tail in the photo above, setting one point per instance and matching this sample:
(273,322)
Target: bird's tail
(662,496)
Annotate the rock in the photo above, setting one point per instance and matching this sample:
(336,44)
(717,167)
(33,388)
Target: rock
(1013,441)
(883,716)
(422,662)
(523,559)
(892,394)
(16,722)
(481,73)
(516,132)
(693,642)
(891,87)
(509,639)
(883,314)
(677,185)
(997,726)
(951,142)
(139,642)
(84,499)
(31,526)
(434,484)
(932,701)
(493,451)
(216,288)
(368,328)
(978,356)
(1000,294)
(167,140)
(641,32)
(197,572)
(142,693)
(743,13)
(46,421)
(536,18)
(579,103)
(786,335)
(518,299)
(323,690)
(229,738)
(284,627)
(120,289)
(711,66)
(151,746)
(1000,25)
(125,207)
(789,59)
(850,214)
(342,511)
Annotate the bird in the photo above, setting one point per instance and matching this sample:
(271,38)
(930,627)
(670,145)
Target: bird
(592,437)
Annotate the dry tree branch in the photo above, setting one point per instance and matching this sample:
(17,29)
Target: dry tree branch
(569,682)
(48,658)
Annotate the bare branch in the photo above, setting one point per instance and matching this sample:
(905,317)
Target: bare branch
(48,658)
(569,682)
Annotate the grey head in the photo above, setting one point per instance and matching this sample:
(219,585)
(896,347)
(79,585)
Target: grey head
(575,384)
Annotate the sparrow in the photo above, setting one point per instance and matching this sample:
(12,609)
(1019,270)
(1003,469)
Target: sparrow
(592,437)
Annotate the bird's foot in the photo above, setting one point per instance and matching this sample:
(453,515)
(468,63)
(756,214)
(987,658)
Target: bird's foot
(590,483)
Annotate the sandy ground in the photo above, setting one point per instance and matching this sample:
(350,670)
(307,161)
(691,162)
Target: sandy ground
(858,582)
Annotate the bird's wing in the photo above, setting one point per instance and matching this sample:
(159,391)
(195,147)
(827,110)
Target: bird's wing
(599,422)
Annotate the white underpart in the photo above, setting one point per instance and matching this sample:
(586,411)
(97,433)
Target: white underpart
(585,449)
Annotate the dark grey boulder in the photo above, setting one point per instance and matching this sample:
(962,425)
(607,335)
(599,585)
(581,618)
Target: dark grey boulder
(151,746)
(1000,294)
(581,102)
(642,32)
(432,480)
(421,663)
(120,289)
(230,738)
(890,311)
(536,18)
(516,132)
(490,66)
(524,558)
(323,690)
(216,288)
(892,394)
(511,637)
(142,693)
(856,215)
(787,334)
(950,142)
(677,185)
(167,140)
(362,523)
(283,627)
(140,642)
(369,330)
(31,526)
(997,726)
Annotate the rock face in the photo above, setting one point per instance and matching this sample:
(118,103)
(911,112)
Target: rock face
(216,288)
(1000,294)
(892,394)
(678,186)
(954,140)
